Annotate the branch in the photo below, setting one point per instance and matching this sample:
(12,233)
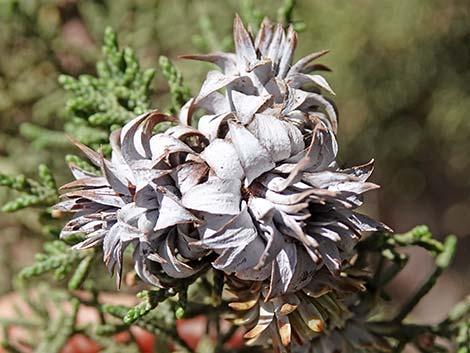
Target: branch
(443,261)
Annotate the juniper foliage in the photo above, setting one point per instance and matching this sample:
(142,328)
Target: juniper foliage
(101,104)
(40,192)
(180,93)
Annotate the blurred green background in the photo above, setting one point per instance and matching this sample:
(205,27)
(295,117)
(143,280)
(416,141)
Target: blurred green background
(401,71)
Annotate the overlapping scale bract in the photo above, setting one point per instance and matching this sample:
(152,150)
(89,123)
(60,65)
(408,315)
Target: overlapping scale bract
(325,316)
(288,221)
(136,200)
(259,82)
(254,191)
(288,209)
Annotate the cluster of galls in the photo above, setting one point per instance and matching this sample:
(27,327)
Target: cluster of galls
(253,191)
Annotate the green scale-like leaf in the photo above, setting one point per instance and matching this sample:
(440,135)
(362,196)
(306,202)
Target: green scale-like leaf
(101,104)
(42,192)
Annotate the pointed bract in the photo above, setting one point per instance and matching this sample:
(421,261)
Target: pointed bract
(134,203)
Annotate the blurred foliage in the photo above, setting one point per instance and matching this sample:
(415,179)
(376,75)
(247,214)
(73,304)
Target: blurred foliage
(50,318)
(401,73)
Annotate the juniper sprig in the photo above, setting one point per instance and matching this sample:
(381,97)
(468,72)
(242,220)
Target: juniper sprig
(180,93)
(101,104)
(58,257)
(42,192)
